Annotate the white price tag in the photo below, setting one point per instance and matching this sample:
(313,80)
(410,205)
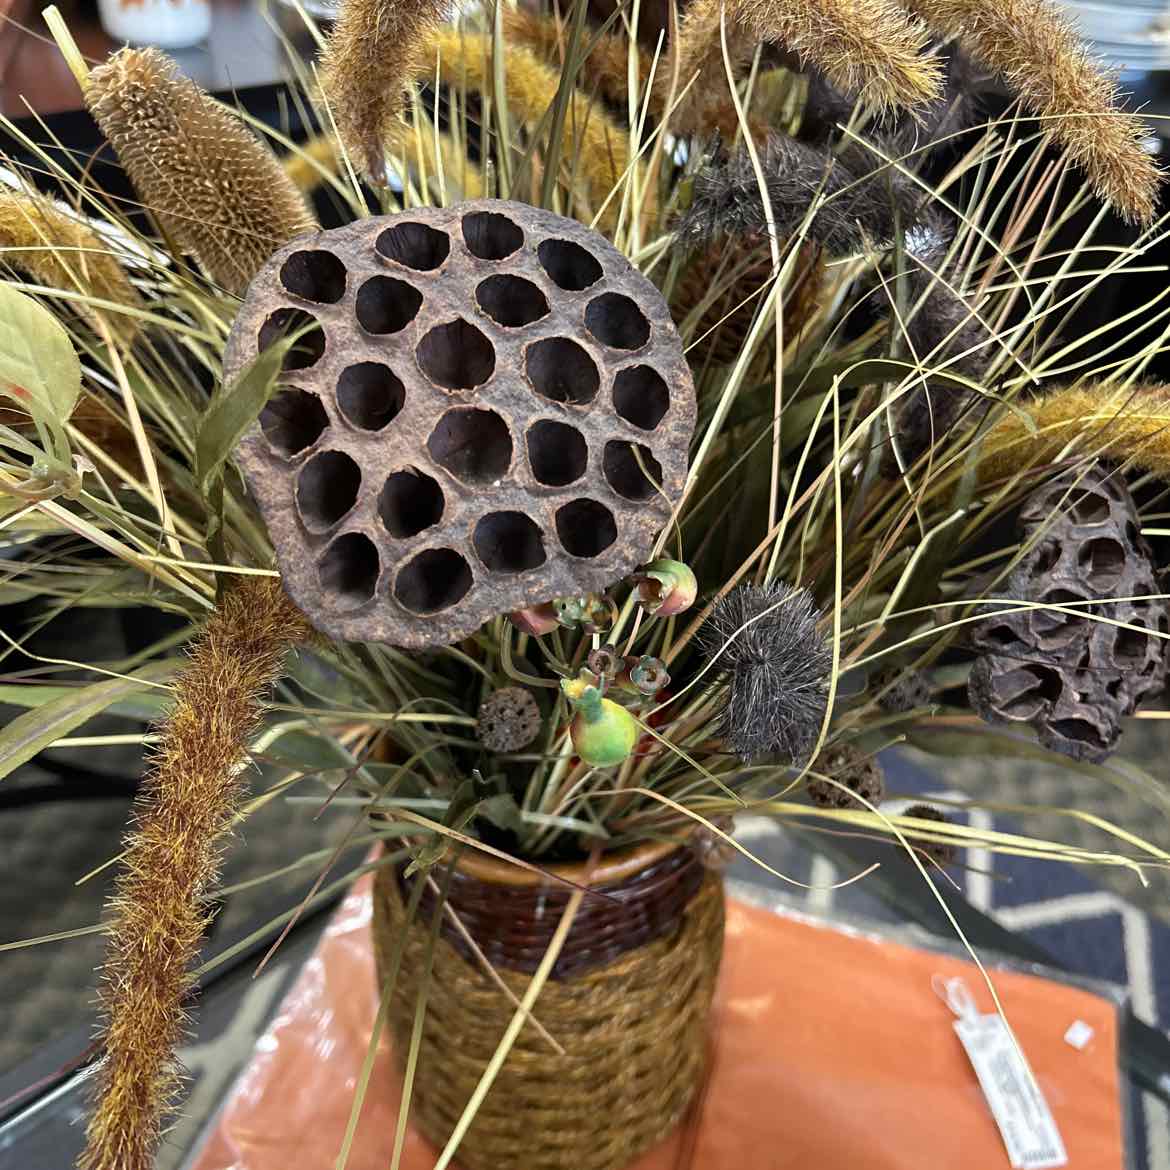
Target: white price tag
(1025,1122)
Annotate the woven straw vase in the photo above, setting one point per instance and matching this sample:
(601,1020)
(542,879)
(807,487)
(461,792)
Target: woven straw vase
(628,1003)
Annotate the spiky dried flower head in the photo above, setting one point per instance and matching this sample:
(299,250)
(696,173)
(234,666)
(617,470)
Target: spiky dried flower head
(508,720)
(843,776)
(855,207)
(372,53)
(868,48)
(172,857)
(943,853)
(214,187)
(1035,48)
(765,639)
(58,249)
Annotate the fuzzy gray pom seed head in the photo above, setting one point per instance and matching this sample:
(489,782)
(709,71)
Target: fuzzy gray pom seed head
(765,638)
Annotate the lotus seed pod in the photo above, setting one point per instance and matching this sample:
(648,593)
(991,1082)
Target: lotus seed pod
(508,720)
(490,408)
(666,588)
(942,853)
(1054,664)
(856,775)
(603,732)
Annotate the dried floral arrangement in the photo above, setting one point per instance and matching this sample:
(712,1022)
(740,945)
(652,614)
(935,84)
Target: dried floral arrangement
(859,469)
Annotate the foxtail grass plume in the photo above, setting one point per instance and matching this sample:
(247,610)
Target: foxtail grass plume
(870,49)
(372,53)
(57,249)
(854,210)
(172,858)
(1126,423)
(1036,50)
(215,188)
(765,638)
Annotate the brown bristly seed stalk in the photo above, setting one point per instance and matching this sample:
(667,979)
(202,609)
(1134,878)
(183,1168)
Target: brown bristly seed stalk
(58,250)
(869,49)
(218,190)
(371,57)
(1038,53)
(172,858)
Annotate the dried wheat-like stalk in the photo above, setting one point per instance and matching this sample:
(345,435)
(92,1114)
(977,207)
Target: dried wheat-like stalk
(172,857)
(867,48)
(1125,423)
(606,69)
(213,185)
(593,144)
(1036,50)
(59,250)
(372,54)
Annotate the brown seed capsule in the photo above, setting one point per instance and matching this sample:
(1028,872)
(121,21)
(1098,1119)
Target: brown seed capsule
(856,775)
(942,853)
(508,720)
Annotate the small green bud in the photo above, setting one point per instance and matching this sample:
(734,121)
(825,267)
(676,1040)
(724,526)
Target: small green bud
(649,675)
(666,587)
(603,732)
(592,612)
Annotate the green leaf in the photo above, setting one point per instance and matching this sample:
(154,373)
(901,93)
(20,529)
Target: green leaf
(32,732)
(38,366)
(147,707)
(233,409)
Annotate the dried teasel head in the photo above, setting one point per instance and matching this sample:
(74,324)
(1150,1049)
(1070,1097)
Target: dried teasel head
(215,188)
(765,638)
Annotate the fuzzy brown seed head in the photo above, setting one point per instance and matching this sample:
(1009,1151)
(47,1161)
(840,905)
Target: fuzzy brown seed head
(215,188)
(366,68)
(1033,46)
(172,856)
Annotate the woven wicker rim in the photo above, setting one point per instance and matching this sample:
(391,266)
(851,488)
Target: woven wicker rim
(609,868)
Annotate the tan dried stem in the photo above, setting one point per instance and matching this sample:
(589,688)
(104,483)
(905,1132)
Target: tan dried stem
(172,857)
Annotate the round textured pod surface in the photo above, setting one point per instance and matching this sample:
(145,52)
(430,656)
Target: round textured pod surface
(486,406)
(508,720)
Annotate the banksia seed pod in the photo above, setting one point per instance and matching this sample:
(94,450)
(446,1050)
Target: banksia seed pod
(741,269)
(858,773)
(508,720)
(603,732)
(943,853)
(215,188)
(1072,677)
(765,639)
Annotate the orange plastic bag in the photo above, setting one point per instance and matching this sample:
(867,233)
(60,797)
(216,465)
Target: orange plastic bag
(830,1050)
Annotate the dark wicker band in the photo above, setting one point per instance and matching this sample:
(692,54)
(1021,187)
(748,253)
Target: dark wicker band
(513,925)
